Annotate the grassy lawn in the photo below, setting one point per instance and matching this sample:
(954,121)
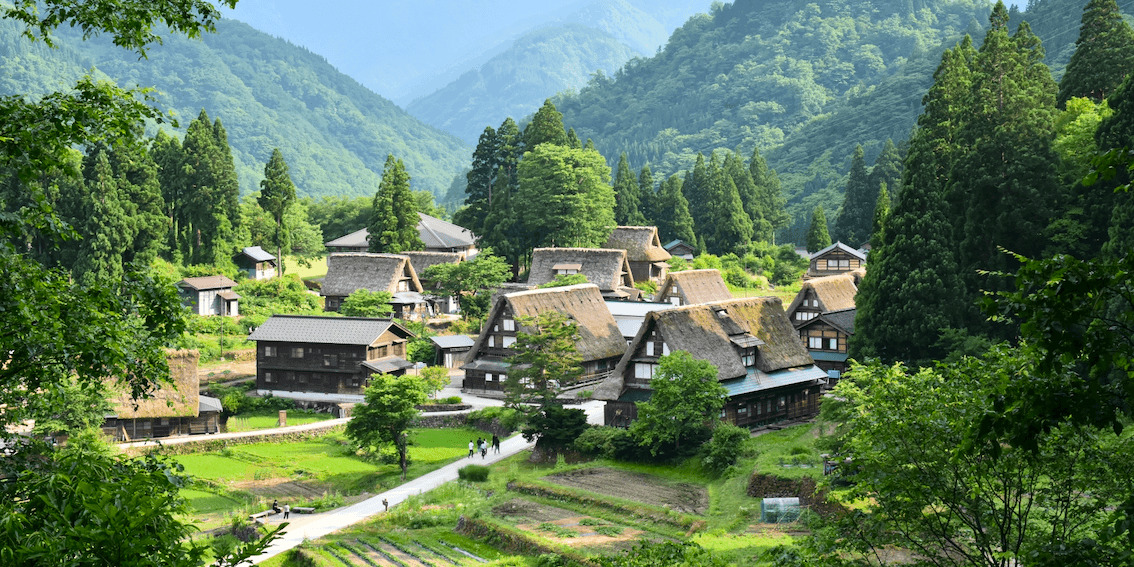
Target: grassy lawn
(246,476)
(268,419)
(317,269)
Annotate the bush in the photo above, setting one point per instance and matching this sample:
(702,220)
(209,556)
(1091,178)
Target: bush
(724,448)
(473,473)
(506,419)
(452,400)
(599,441)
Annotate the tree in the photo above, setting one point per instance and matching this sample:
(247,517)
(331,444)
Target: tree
(685,400)
(731,227)
(695,187)
(647,193)
(546,127)
(1103,57)
(878,221)
(435,378)
(480,178)
(673,218)
(59,331)
(817,236)
(366,303)
(277,194)
(769,192)
(853,224)
(909,436)
(887,169)
(471,282)
(210,205)
(564,198)
(393,222)
(104,224)
(545,359)
(386,414)
(627,199)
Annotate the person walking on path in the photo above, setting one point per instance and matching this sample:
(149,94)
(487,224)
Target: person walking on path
(470,448)
(286,510)
(483,449)
(495,443)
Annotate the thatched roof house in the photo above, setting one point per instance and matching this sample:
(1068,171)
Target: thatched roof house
(691,287)
(643,249)
(821,295)
(422,260)
(600,342)
(174,408)
(347,273)
(826,338)
(609,269)
(756,351)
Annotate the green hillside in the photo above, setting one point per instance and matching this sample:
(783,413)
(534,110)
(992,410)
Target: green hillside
(802,81)
(334,133)
(517,81)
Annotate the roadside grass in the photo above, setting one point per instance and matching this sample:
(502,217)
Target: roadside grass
(790,452)
(267,419)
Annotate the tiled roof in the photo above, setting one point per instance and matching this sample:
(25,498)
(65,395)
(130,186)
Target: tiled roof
(257,254)
(207,282)
(323,330)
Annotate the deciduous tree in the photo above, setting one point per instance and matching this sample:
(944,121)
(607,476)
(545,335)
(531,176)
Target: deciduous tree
(386,414)
(366,303)
(685,399)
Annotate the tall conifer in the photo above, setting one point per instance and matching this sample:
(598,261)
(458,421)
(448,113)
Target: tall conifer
(546,127)
(478,190)
(648,194)
(277,194)
(394,218)
(818,237)
(673,218)
(853,224)
(769,192)
(626,198)
(730,225)
(1104,54)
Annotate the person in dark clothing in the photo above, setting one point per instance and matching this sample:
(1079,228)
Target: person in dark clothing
(495,443)
(276,506)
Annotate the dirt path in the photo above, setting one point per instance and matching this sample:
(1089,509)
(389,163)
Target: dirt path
(680,496)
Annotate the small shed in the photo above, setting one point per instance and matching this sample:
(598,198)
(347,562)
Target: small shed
(451,349)
(209,295)
(256,263)
(680,249)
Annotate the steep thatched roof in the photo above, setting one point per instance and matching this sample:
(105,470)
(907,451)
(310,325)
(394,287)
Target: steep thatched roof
(349,272)
(710,331)
(599,336)
(179,398)
(422,260)
(607,268)
(834,293)
(641,243)
(694,286)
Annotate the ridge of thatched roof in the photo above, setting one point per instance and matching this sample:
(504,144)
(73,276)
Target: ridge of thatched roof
(177,398)
(352,271)
(605,267)
(834,293)
(641,243)
(421,260)
(599,336)
(708,330)
(694,286)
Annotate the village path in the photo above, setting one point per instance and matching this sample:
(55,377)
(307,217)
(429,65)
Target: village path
(308,527)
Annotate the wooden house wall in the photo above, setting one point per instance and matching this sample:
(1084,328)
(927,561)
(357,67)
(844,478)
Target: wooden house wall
(778,404)
(322,368)
(126,430)
(824,333)
(829,263)
(645,271)
(807,310)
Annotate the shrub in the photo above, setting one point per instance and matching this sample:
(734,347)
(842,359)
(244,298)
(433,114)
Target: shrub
(724,448)
(452,400)
(505,419)
(599,441)
(473,473)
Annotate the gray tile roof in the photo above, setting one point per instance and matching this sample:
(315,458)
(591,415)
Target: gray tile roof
(257,254)
(322,330)
(452,341)
(434,232)
(207,282)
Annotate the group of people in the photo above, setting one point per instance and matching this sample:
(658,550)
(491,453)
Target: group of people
(276,508)
(481,445)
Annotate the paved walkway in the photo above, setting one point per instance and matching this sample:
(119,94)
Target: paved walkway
(303,527)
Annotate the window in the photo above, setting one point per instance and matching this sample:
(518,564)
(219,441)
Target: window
(491,340)
(509,325)
(644,371)
(508,341)
(270,351)
(743,410)
(650,348)
(833,344)
(267,377)
(380,351)
(805,315)
(815,342)
(488,377)
(354,381)
(664,349)
(566,272)
(749,357)
(297,352)
(403,286)
(759,408)
(330,360)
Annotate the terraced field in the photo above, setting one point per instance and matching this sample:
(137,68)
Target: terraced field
(376,551)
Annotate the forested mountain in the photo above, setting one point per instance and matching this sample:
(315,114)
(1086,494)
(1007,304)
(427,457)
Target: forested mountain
(802,81)
(334,133)
(513,83)
(597,38)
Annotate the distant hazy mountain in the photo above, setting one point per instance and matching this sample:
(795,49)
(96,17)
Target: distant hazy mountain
(333,132)
(407,50)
